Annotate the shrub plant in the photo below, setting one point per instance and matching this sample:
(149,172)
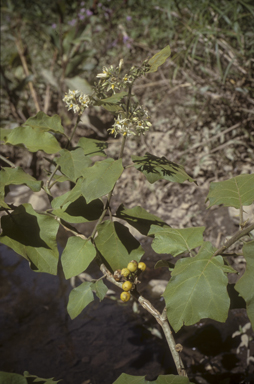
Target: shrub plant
(197,288)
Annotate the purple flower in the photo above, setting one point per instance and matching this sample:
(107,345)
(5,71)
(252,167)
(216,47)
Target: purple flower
(82,10)
(99,5)
(89,13)
(72,22)
(81,17)
(82,3)
(53,26)
(128,18)
(125,38)
(114,43)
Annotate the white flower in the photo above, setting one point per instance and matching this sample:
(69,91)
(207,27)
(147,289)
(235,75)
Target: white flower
(76,101)
(76,108)
(106,72)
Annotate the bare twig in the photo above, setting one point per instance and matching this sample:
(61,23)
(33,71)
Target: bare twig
(24,64)
(8,161)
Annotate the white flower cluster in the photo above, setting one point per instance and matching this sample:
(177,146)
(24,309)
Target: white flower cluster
(77,101)
(112,79)
(133,126)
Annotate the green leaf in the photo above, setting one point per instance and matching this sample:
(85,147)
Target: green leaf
(45,123)
(73,163)
(117,245)
(171,379)
(33,236)
(113,108)
(139,218)
(175,241)
(77,256)
(155,168)
(92,147)
(129,379)
(100,289)
(101,178)
(235,192)
(198,289)
(40,379)
(114,99)
(64,200)
(79,211)
(159,58)
(16,176)
(167,379)
(79,298)
(78,83)
(245,285)
(33,139)
(11,378)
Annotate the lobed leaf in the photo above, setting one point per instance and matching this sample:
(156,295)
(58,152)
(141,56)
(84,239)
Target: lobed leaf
(33,236)
(175,241)
(79,298)
(100,178)
(16,176)
(155,168)
(139,218)
(198,289)
(159,58)
(45,123)
(245,285)
(77,256)
(117,245)
(235,192)
(92,147)
(33,139)
(73,163)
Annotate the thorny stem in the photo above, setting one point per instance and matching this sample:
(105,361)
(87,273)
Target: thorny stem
(161,318)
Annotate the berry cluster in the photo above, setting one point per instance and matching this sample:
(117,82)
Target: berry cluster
(130,275)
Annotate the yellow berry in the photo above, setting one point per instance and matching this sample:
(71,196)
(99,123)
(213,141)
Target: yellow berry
(142,266)
(125,272)
(127,285)
(125,296)
(132,266)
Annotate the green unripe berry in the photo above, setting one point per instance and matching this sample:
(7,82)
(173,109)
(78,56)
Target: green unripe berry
(142,266)
(132,266)
(127,285)
(125,272)
(125,296)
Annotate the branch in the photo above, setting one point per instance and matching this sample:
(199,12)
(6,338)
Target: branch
(160,318)
(8,161)
(234,239)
